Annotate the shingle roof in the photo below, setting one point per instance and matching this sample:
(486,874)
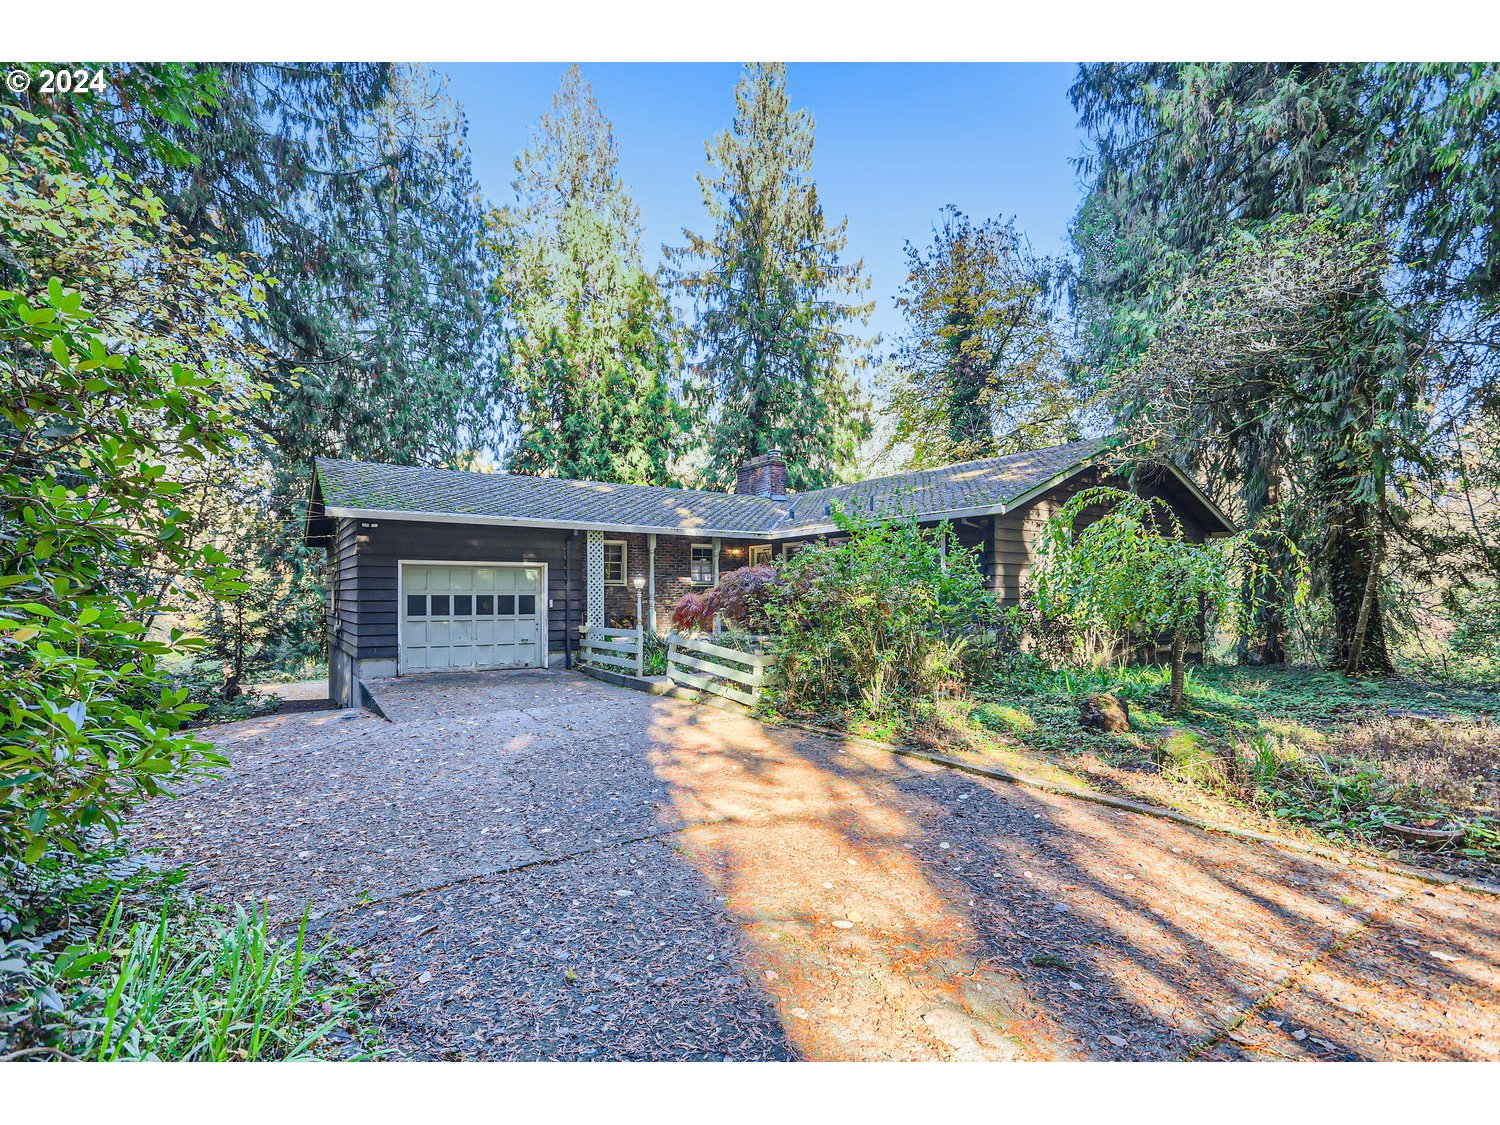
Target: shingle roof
(365,486)
(370,486)
(987,483)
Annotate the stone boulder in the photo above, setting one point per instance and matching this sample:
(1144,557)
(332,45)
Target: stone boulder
(1187,754)
(1105,713)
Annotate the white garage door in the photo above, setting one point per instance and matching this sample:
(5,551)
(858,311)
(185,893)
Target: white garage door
(471,617)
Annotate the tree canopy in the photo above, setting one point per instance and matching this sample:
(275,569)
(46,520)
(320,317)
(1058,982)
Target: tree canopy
(776,342)
(590,347)
(979,370)
(1192,158)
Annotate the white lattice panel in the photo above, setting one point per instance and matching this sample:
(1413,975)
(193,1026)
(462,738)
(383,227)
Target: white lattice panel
(595,578)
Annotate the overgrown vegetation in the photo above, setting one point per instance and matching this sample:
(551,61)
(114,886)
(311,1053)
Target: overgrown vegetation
(1354,760)
(888,631)
(1129,571)
(103,958)
(127,386)
(888,613)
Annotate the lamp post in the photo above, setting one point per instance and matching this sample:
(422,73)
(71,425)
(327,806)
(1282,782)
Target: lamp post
(639,583)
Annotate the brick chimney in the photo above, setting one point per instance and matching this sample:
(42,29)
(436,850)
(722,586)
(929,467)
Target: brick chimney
(763,476)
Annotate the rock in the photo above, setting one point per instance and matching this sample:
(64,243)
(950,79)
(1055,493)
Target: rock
(1187,754)
(1105,713)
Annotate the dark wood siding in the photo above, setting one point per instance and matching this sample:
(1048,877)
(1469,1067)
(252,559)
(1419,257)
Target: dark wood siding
(382,545)
(344,562)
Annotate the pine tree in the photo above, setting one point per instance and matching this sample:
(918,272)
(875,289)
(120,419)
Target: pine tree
(775,339)
(588,342)
(979,369)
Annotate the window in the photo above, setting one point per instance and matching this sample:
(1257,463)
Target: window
(484,605)
(507,605)
(701,564)
(416,605)
(528,605)
(614,562)
(760,555)
(463,605)
(440,605)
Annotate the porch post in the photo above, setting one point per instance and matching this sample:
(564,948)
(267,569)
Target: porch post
(717,543)
(594,578)
(651,579)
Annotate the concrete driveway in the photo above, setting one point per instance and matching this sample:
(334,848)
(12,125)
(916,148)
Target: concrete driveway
(543,866)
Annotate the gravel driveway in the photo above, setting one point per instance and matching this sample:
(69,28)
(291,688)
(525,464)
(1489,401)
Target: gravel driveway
(545,867)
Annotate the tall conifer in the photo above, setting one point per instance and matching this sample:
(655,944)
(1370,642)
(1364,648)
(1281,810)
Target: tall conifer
(776,341)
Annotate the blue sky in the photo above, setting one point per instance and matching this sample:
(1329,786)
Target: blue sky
(895,142)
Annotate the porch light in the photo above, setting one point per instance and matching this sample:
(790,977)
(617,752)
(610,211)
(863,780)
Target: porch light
(639,582)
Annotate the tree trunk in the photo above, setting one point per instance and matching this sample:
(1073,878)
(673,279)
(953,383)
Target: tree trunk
(1354,591)
(1372,579)
(1179,676)
(1266,593)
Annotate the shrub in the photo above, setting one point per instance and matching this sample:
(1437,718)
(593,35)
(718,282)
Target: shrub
(880,619)
(208,688)
(1132,572)
(690,613)
(655,653)
(100,421)
(741,600)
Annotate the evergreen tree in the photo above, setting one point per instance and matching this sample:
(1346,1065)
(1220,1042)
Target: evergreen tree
(589,343)
(1191,156)
(775,339)
(978,371)
(351,186)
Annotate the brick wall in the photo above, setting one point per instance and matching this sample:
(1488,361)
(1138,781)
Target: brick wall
(673,567)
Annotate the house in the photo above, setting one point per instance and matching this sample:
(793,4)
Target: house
(436,569)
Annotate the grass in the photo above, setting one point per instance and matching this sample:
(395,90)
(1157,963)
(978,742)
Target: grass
(196,988)
(114,964)
(1317,751)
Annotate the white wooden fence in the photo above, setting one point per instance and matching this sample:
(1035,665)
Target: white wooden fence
(618,650)
(717,669)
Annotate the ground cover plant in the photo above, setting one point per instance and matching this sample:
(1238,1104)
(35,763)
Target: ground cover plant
(1361,762)
(104,957)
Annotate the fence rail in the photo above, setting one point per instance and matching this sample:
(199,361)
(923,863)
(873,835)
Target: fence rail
(717,669)
(619,650)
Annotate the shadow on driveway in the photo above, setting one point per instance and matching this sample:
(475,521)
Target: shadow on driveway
(541,866)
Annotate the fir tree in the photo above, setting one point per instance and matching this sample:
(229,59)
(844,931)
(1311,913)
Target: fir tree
(775,341)
(588,343)
(350,185)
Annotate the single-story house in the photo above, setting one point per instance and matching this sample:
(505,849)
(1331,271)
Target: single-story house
(436,569)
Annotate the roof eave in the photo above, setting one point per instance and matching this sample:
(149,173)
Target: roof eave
(532,521)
